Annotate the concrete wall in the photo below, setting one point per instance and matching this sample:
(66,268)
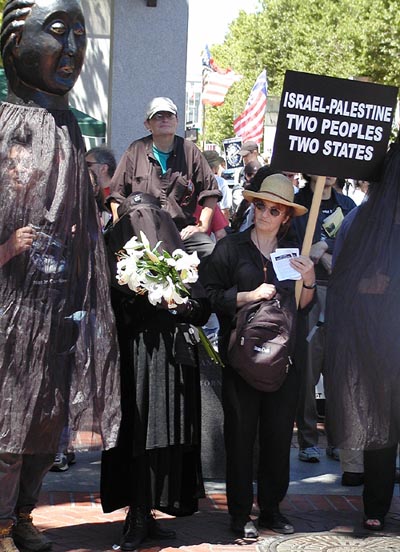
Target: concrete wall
(90,94)
(148,59)
(134,53)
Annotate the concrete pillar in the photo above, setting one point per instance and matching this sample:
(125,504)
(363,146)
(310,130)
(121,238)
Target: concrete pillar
(148,59)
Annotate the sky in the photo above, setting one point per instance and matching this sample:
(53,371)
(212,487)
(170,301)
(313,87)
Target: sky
(208,24)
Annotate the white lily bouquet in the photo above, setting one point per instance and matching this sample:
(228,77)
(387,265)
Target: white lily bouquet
(161,275)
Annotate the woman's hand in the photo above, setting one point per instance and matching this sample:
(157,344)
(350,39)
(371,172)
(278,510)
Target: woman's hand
(21,240)
(262,292)
(305,266)
(265,291)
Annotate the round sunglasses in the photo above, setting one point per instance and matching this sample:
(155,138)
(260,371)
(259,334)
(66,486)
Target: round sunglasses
(261,206)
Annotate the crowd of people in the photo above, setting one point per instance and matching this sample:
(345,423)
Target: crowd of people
(79,351)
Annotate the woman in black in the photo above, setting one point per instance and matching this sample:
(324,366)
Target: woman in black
(362,371)
(239,272)
(156,464)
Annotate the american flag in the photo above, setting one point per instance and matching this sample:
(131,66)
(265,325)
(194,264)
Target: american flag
(216,81)
(250,124)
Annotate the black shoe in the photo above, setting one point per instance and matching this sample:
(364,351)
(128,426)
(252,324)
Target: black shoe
(243,526)
(155,530)
(275,521)
(135,529)
(352,479)
(372,523)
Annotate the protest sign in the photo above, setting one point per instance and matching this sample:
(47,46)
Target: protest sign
(232,146)
(333,127)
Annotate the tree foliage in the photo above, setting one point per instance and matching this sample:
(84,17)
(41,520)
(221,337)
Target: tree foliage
(339,38)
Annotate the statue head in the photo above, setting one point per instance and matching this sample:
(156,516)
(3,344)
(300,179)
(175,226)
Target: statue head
(43,45)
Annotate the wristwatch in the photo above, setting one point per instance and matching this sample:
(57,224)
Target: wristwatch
(313,286)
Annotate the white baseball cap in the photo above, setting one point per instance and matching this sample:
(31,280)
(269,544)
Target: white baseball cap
(160,104)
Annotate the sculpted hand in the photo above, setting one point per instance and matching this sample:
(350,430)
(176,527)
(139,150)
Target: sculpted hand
(21,240)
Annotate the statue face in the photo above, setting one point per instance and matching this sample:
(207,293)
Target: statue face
(49,53)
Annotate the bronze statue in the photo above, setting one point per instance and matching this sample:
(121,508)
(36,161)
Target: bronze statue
(42,50)
(58,350)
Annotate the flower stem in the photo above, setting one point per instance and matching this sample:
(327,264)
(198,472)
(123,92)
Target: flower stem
(209,349)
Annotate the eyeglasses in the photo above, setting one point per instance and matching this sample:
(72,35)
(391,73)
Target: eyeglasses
(261,206)
(163,115)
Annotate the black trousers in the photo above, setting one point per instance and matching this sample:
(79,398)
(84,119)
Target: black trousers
(379,476)
(247,410)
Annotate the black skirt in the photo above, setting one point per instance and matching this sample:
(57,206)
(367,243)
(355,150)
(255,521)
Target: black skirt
(157,461)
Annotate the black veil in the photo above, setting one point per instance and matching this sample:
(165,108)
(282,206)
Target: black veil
(362,372)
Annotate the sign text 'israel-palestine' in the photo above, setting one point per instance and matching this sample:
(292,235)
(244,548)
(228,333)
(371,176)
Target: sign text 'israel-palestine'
(333,127)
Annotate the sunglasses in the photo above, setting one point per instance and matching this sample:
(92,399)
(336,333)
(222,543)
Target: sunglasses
(163,115)
(261,206)
(91,163)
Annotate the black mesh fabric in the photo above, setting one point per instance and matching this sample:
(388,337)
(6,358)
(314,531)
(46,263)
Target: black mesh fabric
(362,372)
(58,348)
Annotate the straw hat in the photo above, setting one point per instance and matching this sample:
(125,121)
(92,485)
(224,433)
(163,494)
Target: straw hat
(279,189)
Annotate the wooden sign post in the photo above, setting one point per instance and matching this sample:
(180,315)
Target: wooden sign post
(310,228)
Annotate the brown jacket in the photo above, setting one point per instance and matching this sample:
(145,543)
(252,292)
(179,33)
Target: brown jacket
(188,179)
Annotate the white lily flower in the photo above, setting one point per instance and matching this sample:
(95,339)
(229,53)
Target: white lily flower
(132,244)
(152,256)
(189,275)
(179,253)
(134,281)
(170,261)
(155,293)
(171,296)
(185,261)
(144,240)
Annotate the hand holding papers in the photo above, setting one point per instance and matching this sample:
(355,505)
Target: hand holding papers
(281,263)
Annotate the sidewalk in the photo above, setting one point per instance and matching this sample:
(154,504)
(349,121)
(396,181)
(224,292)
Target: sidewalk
(326,516)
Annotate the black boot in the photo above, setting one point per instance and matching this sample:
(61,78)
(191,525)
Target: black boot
(135,528)
(155,530)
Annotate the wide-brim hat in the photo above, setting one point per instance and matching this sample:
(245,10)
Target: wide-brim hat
(279,189)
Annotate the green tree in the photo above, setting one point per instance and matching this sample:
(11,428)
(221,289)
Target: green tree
(340,38)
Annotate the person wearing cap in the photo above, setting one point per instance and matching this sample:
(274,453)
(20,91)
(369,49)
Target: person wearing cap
(240,271)
(174,171)
(249,152)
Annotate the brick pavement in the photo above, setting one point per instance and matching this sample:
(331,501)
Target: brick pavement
(75,522)
(70,513)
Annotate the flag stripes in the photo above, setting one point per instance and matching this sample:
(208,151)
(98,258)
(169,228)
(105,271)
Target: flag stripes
(216,86)
(250,123)
(216,81)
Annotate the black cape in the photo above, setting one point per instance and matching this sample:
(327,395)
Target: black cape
(58,347)
(362,371)
(157,461)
